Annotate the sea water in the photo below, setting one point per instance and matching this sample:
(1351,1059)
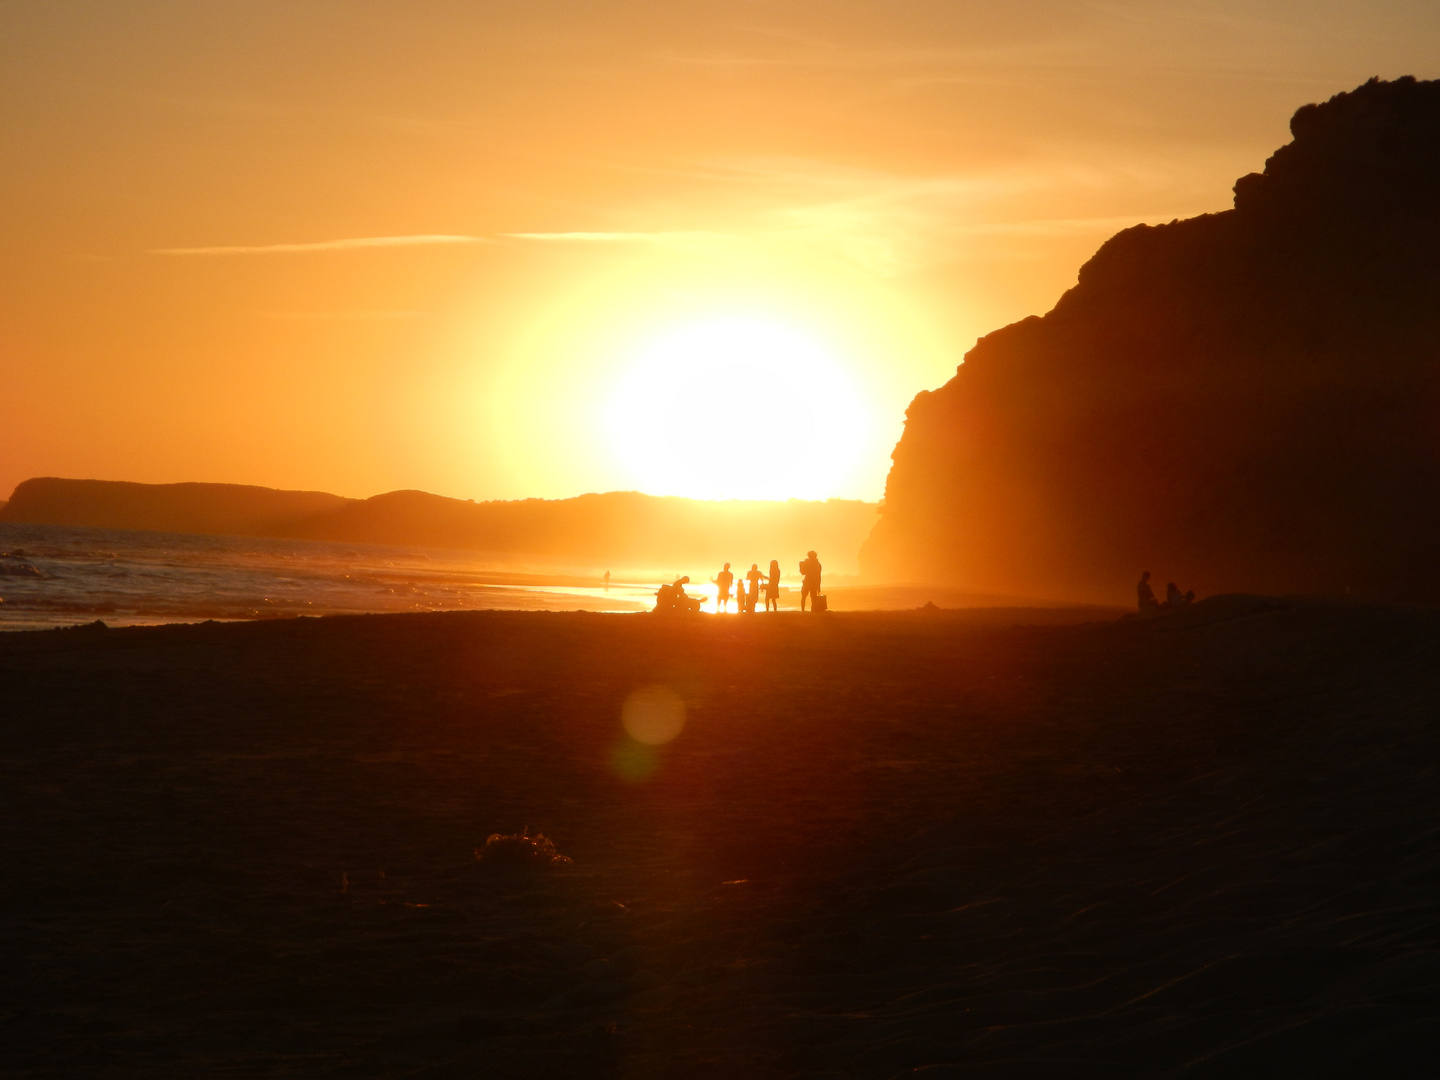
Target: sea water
(55,576)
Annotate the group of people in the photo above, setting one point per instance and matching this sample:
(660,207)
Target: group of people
(1174,598)
(747,589)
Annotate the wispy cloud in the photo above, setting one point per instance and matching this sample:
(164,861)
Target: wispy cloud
(351,244)
(890,223)
(611,237)
(332,316)
(1070,226)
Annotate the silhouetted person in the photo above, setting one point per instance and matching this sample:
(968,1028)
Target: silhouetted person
(607,580)
(753,577)
(1173,597)
(722,581)
(809,579)
(772,587)
(672,597)
(683,602)
(1146,595)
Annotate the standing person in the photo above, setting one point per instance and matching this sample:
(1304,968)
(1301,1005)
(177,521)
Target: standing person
(607,580)
(1146,595)
(722,581)
(810,579)
(772,587)
(753,578)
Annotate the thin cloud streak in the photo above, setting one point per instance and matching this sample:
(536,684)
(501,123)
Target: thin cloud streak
(610,237)
(331,316)
(353,244)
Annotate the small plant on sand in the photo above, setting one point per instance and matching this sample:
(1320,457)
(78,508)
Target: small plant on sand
(519,849)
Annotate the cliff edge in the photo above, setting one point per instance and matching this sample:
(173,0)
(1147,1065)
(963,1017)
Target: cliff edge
(1244,401)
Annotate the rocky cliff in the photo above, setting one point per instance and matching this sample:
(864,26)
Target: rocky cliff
(1248,400)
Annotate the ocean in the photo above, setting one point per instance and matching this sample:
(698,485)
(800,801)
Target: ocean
(55,576)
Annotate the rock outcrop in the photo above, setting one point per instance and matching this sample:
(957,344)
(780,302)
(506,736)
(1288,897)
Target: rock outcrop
(1244,401)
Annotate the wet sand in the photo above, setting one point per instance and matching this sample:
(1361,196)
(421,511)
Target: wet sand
(884,845)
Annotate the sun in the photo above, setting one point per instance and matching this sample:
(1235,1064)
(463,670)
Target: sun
(737,407)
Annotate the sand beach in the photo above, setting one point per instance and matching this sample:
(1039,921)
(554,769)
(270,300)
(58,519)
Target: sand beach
(932,844)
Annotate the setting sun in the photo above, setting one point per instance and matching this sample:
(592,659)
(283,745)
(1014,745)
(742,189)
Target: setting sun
(737,407)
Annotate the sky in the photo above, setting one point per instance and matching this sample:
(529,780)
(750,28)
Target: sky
(531,248)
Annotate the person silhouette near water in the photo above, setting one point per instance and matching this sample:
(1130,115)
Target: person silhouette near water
(673,598)
(753,577)
(722,581)
(1146,595)
(607,580)
(809,579)
(772,587)
(682,601)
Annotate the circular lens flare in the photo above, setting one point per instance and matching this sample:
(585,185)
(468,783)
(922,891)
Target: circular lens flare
(653,715)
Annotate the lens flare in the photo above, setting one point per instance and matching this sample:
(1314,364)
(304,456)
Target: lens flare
(653,715)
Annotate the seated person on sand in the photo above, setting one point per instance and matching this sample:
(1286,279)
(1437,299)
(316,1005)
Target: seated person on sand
(1146,595)
(1174,599)
(683,602)
(722,581)
(673,598)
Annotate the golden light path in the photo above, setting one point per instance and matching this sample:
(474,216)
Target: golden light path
(738,407)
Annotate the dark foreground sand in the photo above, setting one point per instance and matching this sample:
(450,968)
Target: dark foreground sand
(884,845)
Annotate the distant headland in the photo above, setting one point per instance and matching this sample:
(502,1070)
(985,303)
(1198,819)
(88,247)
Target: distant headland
(623,528)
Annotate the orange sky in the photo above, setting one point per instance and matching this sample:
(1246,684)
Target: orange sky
(465,247)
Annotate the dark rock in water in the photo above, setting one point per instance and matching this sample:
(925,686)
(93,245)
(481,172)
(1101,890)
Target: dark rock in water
(1247,401)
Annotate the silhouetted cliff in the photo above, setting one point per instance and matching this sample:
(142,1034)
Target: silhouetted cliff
(1248,400)
(623,528)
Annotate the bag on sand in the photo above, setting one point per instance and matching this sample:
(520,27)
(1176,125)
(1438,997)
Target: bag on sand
(820,603)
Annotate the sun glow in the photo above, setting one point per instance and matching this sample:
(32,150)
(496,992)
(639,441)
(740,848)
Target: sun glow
(738,407)
(714,374)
